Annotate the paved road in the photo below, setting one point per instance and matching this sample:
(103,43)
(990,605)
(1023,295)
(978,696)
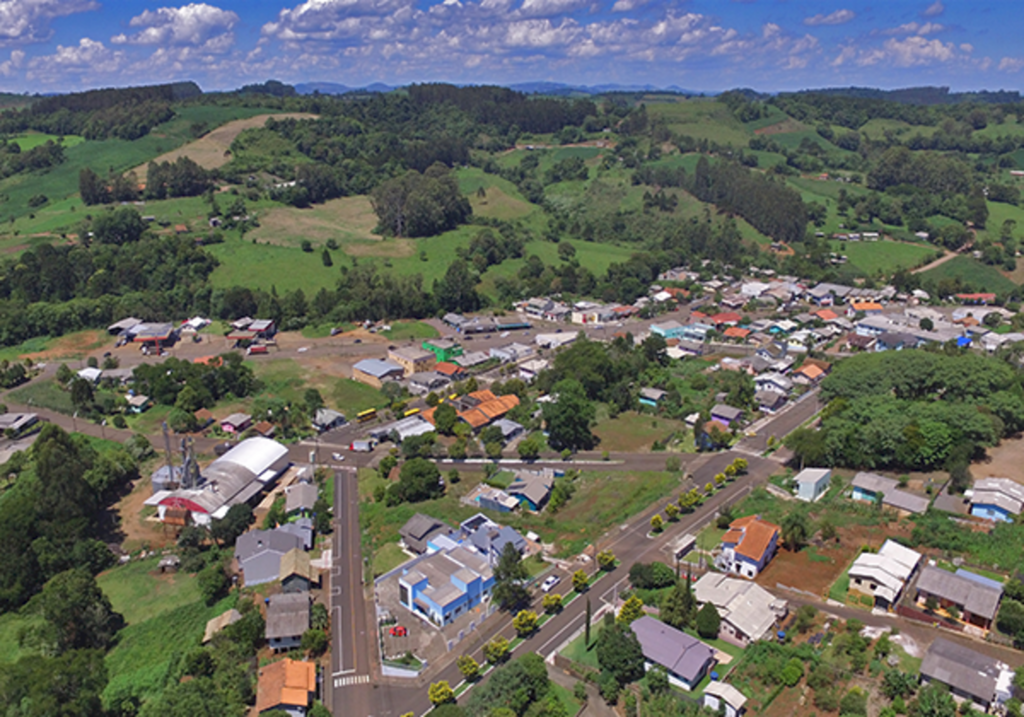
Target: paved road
(783,424)
(353,646)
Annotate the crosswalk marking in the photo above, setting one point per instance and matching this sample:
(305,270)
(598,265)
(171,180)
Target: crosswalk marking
(351,680)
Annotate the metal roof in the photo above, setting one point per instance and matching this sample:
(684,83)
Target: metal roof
(962,668)
(678,652)
(974,597)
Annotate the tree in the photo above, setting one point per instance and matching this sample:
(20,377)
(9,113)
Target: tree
(740,465)
(656,523)
(805,618)
(795,530)
(319,618)
(793,672)
(238,519)
(606,560)
(496,651)
(455,291)
(445,418)
(509,576)
(314,642)
(934,700)
(580,581)
(679,606)
(418,480)
(586,633)
(79,613)
(525,622)
(632,609)
(469,667)
(569,418)
(81,394)
(552,603)
(440,693)
(529,448)
(618,652)
(212,582)
(672,512)
(326,259)
(708,621)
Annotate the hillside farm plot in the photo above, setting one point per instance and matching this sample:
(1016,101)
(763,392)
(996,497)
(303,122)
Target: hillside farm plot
(702,119)
(345,220)
(212,150)
(31,140)
(972,273)
(884,256)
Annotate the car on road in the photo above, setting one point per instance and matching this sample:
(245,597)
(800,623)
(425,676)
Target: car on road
(337,457)
(550,582)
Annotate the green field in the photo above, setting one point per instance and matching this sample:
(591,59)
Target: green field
(884,257)
(45,394)
(981,277)
(351,397)
(405,330)
(702,119)
(631,432)
(32,140)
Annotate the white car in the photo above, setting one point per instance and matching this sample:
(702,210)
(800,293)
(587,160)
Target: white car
(337,457)
(550,582)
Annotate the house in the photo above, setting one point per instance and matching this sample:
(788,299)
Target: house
(494,499)
(488,538)
(749,612)
(748,546)
(302,528)
(262,328)
(895,341)
(259,553)
(773,382)
(868,308)
(511,352)
(418,532)
(287,618)
(443,349)
(735,332)
(139,403)
(204,418)
(296,573)
(970,675)
(668,329)
(696,332)
(452,371)
(997,499)
(769,401)
(216,624)
(870,487)
(326,419)
(510,430)
(471,359)
(528,370)
(446,585)
(300,499)
(976,598)
(773,351)
(374,372)
(265,429)
(811,483)
(531,489)
(686,659)
(860,342)
(725,699)
(726,414)
(412,359)
(421,383)
(884,575)
(826,315)
(809,373)
(725,318)
(123,325)
(287,686)
(236,423)
(652,396)
(90,374)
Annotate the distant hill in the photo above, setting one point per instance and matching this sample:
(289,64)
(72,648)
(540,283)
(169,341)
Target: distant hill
(918,95)
(333,88)
(558,88)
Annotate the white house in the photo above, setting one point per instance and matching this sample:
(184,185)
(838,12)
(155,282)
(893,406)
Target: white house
(724,697)
(811,483)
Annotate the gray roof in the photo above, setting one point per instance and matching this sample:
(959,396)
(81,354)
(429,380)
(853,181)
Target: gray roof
(653,394)
(287,615)
(678,652)
(727,412)
(1003,492)
(492,540)
(301,528)
(300,496)
(535,487)
(419,526)
(411,353)
(507,426)
(259,541)
(327,416)
(771,399)
(811,475)
(378,368)
(974,597)
(891,494)
(962,668)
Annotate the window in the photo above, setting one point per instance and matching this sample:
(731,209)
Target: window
(403,594)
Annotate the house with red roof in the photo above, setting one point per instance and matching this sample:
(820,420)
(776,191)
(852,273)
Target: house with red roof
(725,318)
(735,332)
(980,298)
(748,546)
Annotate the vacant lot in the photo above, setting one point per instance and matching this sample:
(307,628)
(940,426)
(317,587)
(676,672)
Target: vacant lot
(211,150)
(884,256)
(632,432)
(1003,461)
(345,219)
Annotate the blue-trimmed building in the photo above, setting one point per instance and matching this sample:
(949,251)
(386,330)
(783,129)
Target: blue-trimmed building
(668,329)
(446,585)
(997,499)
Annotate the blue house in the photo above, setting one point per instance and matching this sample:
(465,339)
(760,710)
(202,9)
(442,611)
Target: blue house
(652,396)
(811,483)
(668,330)
(446,585)
(748,546)
(997,499)
(696,332)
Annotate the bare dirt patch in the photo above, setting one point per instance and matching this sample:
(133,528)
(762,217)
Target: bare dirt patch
(209,150)
(348,218)
(786,125)
(1003,461)
(69,346)
(139,531)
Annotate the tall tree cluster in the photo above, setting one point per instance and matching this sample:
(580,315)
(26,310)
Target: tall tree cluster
(418,205)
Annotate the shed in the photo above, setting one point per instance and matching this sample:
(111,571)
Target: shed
(216,624)
(811,483)
(723,697)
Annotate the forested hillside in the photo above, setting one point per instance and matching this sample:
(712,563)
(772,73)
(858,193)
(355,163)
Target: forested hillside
(445,198)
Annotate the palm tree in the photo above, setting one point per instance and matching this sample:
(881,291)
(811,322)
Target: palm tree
(795,530)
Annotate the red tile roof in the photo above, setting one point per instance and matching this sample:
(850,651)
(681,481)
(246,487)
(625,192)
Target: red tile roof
(726,317)
(826,315)
(448,369)
(866,306)
(751,535)
(735,332)
(285,683)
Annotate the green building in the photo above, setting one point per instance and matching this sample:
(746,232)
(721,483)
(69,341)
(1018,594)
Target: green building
(443,349)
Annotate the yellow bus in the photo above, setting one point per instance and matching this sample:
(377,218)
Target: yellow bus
(411,412)
(367,415)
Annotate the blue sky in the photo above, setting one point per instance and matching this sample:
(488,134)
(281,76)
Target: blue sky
(771,45)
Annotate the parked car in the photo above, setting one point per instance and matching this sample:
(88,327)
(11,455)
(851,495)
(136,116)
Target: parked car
(550,582)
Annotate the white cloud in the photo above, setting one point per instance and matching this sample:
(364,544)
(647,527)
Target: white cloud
(935,9)
(915,28)
(912,51)
(196,25)
(88,58)
(29,20)
(546,8)
(331,19)
(627,5)
(839,17)
(8,67)
(1011,64)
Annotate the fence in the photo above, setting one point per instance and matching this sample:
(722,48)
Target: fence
(909,612)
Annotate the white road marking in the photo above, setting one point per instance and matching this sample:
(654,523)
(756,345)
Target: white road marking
(351,680)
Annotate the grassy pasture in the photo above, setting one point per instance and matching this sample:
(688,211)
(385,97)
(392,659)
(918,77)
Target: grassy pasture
(702,119)
(31,140)
(972,272)
(884,256)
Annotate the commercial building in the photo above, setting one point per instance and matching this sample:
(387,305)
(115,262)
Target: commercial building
(446,585)
(443,349)
(412,359)
(374,372)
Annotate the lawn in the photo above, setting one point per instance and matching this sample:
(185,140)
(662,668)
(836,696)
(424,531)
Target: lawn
(351,397)
(140,593)
(973,274)
(841,586)
(884,257)
(11,624)
(577,650)
(404,330)
(32,140)
(388,557)
(45,394)
(632,432)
